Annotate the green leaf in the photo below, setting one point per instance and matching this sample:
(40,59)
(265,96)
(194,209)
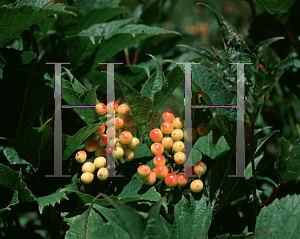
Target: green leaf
(9,178)
(85,6)
(14,201)
(35,3)
(192,219)
(50,199)
(248,170)
(282,217)
(72,142)
(279,8)
(287,161)
(15,20)
(152,12)
(267,43)
(263,140)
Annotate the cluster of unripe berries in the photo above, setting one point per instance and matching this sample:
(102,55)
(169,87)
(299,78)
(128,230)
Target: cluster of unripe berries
(115,138)
(170,137)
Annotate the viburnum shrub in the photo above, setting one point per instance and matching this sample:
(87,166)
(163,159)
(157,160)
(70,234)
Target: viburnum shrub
(149,119)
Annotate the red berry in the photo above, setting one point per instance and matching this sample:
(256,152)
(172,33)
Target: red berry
(159,160)
(100,130)
(156,135)
(112,107)
(161,171)
(101,109)
(203,129)
(167,127)
(182,180)
(168,115)
(171,180)
(157,149)
(91,145)
(144,170)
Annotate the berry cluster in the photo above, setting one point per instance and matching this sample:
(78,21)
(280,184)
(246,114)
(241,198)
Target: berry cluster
(170,137)
(117,140)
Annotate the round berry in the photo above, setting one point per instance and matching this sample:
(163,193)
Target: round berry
(100,162)
(128,121)
(171,180)
(100,130)
(196,186)
(200,168)
(156,135)
(110,119)
(166,127)
(150,179)
(177,134)
(203,129)
(102,173)
(119,144)
(88,167)
(123,110)
(134,143)
(157,149)
(178,123)
(101,109)
(190,134)
(80,156)
(118,153)
(119,123)
(159,160)
(132,130)
(178,146)
(111,132)
(91,145)
(87,178)
(103,140)
(109,150)
(113,142)
(161,171)
(128,155)
(168,115)
(125,137)
(144,170)
(100,151)
(167,142)
(182,180)
(179,158)
(112,107)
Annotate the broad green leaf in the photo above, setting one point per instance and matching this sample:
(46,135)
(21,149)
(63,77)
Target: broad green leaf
(267,42)
(155,227)
(263,140)
(279,8)
(107,231)
(152,12)
(171,82)
(133,221)
(248,170)
(15,20)
(282,217)
(192,219)
(287,161)
(9,178)
(85,6)
(50,199)
(155,82)
(35,3)
(72,142)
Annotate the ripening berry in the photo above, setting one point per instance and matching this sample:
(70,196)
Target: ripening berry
(190,134)
(112,107)
(203,129)
(80,156)
(125,137)
(150,179)
(134,143)
(157,149)
(156,135)
(179,158)
(200,168)
(100,151)
(178,123)
(119,144)
(100,162)
(110,119)
(166,127)
(103,140)
(132,130)
(171,180)
(123,110)
(101,109)
(100,130)
(177,134)
(118,153)
(196,186)
(144,170)
(159,160)
(87,178)
(178,146)
(167,142)
(91,145)
(128,155)
(109,150)
(182,180)
(128,121)
(111,132)
(88,167)
(161,171)
(168,115)
(113,142)
(102,173)
(119,123)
